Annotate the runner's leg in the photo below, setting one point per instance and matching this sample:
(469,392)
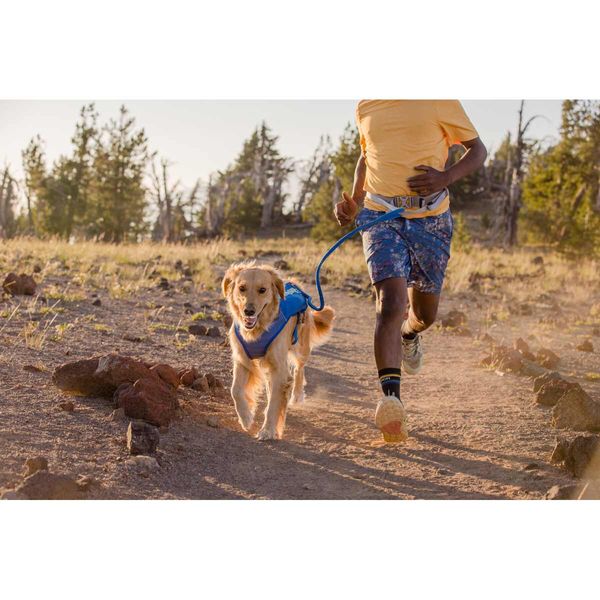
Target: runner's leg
(422,312)
(391,309)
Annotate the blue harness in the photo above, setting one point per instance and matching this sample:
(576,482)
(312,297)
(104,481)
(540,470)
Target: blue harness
(296,301)
(293,304)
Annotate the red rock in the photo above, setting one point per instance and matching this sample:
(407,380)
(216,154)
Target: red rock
(187,376)
(67,406)
(581,456)
(504,359)
(547,358)
(211,379)
(100,376)
(454,318)
(586,346)
(19,285)
(197,329)
(150,400)
(80,377)
(167,373)
(553,390)
(201,384)
(576,410)
(35,464)
(116,370)
(213,332)
(43,485)
(538,382)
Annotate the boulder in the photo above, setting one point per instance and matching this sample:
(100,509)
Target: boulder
(538,382)
(19,285)
(553,390)
(281,265)
(142,438)
(197,329)
(142,465)
(118,414)
(43,485)
(100,376)
(167,373)
(580,456)
(35,464)
(454,318)
(521,346)
(563,492)
(150,400)
(547,358)
(504,359)
(586,346)
(116,370)
(576,410)
(201,384)
(187,376)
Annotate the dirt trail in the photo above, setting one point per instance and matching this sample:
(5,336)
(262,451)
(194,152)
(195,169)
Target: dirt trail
(473,434)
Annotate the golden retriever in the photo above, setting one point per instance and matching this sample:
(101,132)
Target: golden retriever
(253,293)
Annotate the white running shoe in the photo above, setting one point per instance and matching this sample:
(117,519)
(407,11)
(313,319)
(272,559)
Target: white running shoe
(390,418)
(412,355)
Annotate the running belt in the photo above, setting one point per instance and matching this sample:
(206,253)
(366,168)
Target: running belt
(415,204)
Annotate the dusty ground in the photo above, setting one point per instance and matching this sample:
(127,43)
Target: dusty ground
(474,433)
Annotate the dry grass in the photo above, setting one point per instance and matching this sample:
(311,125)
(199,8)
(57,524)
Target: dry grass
(125,269)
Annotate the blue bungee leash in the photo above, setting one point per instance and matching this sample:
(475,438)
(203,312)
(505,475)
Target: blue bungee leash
(386,216)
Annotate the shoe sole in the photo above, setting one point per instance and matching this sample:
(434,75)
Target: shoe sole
(390,418)
(411,370)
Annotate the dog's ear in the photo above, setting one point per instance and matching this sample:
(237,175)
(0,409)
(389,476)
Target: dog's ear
(229,278)
(278,284)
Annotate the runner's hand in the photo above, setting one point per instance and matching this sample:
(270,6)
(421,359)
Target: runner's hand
(430,182)
(346,210)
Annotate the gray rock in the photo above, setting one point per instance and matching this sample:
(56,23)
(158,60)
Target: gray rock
(35,464)
(142,438)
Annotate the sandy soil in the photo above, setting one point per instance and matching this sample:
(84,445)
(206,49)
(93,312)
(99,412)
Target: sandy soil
(474,433)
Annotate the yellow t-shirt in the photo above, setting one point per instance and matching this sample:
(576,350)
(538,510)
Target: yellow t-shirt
(398,135)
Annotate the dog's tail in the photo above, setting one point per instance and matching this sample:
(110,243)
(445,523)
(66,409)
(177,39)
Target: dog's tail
(321,325)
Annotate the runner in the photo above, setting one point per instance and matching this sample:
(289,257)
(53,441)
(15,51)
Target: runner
(403,162)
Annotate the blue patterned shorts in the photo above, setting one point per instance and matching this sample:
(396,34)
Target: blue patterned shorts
(414,249)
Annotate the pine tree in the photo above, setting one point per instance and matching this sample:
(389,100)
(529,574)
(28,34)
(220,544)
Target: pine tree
(561,191)
(117,195)
(319,211)
(34,168)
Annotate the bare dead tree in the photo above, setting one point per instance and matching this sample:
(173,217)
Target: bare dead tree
(511,200)
(8,186)
(316,171)
(165,196)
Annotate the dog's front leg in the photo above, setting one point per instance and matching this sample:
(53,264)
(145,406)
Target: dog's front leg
(278,392)
(242,395)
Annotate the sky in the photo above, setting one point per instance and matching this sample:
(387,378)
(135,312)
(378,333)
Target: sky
(201,136)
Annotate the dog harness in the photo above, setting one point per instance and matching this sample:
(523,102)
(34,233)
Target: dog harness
(293,304)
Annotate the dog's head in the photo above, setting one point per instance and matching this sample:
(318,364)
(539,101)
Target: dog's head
(253,292)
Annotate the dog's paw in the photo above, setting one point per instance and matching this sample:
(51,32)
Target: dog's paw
(266,434)
(297,398)
(246,420)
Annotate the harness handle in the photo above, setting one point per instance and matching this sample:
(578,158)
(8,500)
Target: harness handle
(387,216)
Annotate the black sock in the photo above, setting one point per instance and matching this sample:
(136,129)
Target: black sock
(390,382)
(410,336)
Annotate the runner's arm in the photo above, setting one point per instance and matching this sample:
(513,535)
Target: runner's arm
(346,210)
(432,180)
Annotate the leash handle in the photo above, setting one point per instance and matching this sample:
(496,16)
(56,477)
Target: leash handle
(387,216)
